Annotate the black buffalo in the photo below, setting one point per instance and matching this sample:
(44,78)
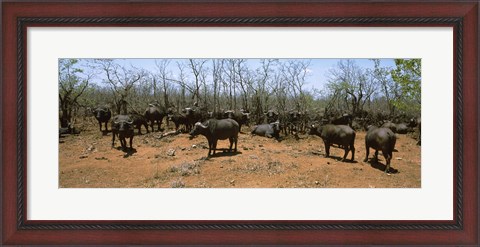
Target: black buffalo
(122,125)
(138,121)
(65,130)
(241,117)
(380,139)
(215,130)
(268,130)
(216,114)
(342,135)
(345,119)
(271,116)
(356,125)
(399,128)
(402,128)
(103,115)
(194,115)
(416,124)
(391,126)
(155,114)
(178,119)
(294,122)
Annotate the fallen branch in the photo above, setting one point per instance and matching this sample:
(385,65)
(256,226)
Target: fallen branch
(170,133)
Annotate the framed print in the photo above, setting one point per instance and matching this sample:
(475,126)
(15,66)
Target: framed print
(267,113)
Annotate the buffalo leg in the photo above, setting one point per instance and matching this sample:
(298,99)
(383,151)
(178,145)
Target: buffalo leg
(327,149)
(366,156)
(387,161)
(345,154)
(151,125)
(123,143)
(210,144)
(236,140)
(352,148)
(131,139)
(113,140)
(100,124)
(106,127)
(214,146)
(376,156)
(231,144)
(388,158)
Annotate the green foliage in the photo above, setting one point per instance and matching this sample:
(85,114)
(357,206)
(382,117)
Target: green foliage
(72,83)
(407,75)
(387,86)
(68,75)
(350,86)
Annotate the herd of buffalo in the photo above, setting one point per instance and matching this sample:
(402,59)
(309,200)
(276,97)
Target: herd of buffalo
(337,131)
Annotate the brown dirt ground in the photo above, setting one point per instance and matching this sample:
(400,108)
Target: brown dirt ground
(87,160)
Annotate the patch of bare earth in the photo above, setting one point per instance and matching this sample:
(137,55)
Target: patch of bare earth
(87,160)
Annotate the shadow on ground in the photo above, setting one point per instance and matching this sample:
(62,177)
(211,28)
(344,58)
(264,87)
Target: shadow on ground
(380,166)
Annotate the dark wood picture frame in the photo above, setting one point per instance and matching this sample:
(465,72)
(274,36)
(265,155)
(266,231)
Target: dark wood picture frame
(18,16)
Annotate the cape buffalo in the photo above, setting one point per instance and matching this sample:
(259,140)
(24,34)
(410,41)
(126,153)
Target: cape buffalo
(215,130)
(103,115)
(380,139)
(268,130)
(178,119)
(391,126)
(155,114)
(345,119)
(271,116)
(399,128)
(65,130)
(138,121)
(241,117)
(402,128)
(294,119)
(194,115)
(342,135)
(416,125)
(122,125)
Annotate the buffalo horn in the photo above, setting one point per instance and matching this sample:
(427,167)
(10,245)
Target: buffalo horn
(201,125)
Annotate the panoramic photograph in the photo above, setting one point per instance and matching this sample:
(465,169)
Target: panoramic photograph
(239,123)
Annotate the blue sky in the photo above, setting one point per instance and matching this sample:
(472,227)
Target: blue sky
(318,69)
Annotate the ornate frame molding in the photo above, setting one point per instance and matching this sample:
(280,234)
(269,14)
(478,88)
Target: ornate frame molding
(24,22)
